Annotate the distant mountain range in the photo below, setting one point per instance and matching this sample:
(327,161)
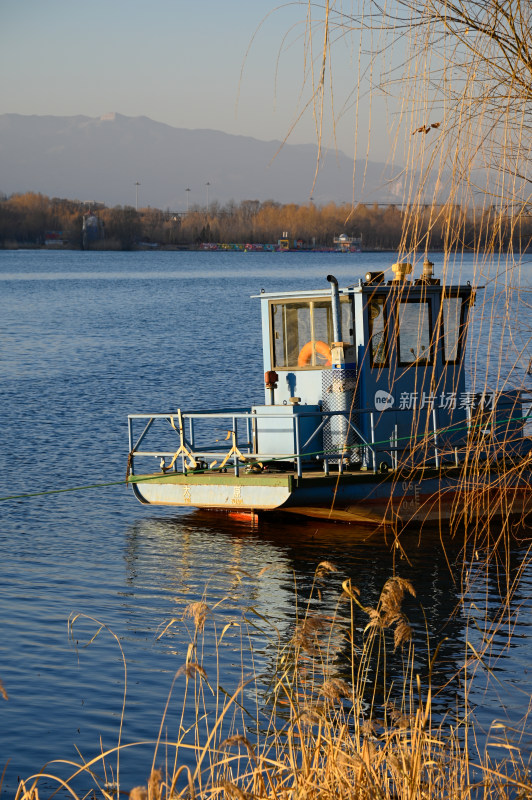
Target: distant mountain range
(101,159)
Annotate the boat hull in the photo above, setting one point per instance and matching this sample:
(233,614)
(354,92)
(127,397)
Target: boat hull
(204,490)
(420,496)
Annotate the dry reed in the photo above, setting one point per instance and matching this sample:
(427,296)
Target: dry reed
(319,716)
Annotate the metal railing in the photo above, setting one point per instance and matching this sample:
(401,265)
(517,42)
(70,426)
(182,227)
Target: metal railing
(241,429)
(242,433)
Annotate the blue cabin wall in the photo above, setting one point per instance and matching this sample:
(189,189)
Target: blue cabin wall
(411,402)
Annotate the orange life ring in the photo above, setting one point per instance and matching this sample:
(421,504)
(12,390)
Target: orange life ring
(305,354)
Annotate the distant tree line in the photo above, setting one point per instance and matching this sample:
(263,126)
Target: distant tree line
(35,220)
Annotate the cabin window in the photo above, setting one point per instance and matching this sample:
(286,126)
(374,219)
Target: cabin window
(378,331)
(452,319)
(414,332)
(302,332)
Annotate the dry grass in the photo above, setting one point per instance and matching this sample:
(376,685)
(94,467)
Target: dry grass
(318,718)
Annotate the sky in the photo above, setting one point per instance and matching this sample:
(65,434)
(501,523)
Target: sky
(230,65)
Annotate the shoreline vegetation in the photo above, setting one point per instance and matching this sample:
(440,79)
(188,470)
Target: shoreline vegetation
(33,220)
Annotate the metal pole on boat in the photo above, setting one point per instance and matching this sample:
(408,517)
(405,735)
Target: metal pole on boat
(435,429)
(248,433)
(372,424)
(325,455)
(235,434)
(298,446)
(130,432)
(337,329)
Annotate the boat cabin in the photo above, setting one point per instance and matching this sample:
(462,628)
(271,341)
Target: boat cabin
(388,356)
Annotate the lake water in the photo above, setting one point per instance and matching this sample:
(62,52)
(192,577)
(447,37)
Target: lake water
(87,338)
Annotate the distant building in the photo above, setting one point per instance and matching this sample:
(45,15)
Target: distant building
(348,244)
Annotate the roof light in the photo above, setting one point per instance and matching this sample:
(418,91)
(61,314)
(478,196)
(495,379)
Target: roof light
(374,277)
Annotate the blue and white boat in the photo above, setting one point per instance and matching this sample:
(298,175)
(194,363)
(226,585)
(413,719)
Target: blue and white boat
(366,416)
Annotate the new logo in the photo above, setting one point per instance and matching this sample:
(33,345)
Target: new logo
(383,400)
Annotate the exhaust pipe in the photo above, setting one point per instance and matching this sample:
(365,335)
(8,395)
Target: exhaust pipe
(335,294)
